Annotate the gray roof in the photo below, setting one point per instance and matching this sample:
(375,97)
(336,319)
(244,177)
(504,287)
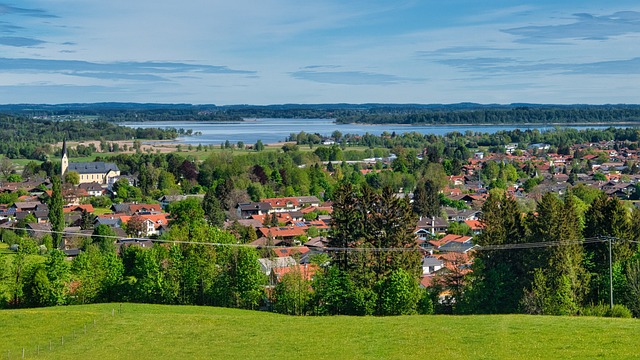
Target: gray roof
(92,167)
(431,261)
(107,221)
(457,247)
(308,199)
(120,208)
(251,206)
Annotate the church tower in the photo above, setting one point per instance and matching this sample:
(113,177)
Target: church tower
(65,158)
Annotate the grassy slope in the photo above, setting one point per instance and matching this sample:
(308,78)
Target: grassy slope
(187,332)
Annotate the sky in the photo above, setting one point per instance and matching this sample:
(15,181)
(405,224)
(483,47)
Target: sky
(324,51)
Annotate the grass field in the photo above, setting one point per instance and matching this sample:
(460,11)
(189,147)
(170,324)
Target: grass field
(139,331)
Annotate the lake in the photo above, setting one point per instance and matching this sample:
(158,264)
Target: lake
(277,130)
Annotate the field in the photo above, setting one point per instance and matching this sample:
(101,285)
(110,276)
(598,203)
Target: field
(136,331)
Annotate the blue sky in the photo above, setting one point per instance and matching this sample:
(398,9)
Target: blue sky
(287,51)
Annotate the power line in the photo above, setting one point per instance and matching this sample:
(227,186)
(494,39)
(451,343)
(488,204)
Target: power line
(515,246)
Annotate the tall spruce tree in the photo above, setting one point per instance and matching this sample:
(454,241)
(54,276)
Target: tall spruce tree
(561,265)
(499,276)
(426,201)
(213,209)
(607,217)
(56,214)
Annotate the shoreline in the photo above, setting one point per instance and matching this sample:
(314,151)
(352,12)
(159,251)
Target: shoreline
(499,124)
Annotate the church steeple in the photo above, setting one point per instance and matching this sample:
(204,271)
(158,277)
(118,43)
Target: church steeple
(64,163)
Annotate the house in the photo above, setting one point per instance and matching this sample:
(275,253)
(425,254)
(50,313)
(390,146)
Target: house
(78,208)
(267,265)
(92,188)
(165,200)
(431,264)
(265,241)
(306,270)
(38,230)
(153,224)
(457,247)
(28,206)
(88,172)
(292,203)
(319,242)
(461,215)
(132,209)
(476,226)
(248,209)
(433,225)
(287,233)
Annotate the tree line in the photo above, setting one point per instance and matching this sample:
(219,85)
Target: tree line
(567,272)
(30,138)
(510,115)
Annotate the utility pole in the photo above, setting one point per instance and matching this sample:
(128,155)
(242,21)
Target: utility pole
(610,277)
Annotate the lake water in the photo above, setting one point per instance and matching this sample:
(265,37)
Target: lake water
(277,130)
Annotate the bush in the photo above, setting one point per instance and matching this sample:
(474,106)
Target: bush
(602,310)
(425,304)
(599,310)
(619,311)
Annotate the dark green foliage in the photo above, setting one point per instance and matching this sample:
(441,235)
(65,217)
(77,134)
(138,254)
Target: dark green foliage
(370,220)
(213,208)
(426,200)
(56,215)
(499,277)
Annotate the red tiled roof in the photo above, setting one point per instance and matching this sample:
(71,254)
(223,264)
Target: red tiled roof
(290,231)
(84,207)
(474,224)
(145,207)
(307,270)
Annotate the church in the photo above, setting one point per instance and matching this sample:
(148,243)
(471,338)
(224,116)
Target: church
(100,172)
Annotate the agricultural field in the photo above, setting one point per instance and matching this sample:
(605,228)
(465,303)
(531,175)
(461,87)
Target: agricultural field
(137,331)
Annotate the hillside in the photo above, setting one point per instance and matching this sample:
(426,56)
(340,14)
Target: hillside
(137,331)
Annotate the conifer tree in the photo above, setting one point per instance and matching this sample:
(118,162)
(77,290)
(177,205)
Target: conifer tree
(561,265)
(499,276)
(56,215)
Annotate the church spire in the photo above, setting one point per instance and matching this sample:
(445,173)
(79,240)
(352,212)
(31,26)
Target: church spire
(64,163)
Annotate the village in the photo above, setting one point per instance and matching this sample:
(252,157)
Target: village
(297,228)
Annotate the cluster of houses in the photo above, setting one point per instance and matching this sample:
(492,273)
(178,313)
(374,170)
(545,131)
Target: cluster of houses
(285,223)
(298,226)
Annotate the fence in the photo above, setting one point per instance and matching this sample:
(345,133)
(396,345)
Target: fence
(50,343)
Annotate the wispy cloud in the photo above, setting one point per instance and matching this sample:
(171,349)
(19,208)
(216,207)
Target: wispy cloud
(18,41)
(140,71)
(457,50)
(511,66)
(350,77)
(9,28)
(585,27)
(8,9)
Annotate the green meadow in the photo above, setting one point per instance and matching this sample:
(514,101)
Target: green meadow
(138,331)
